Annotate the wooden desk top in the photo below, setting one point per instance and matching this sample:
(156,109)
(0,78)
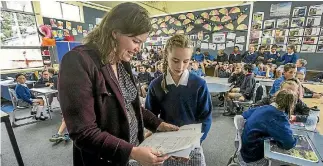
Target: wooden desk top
(311,102)
(314,88)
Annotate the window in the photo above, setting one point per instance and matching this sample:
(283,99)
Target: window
(20,58)
(60,10)
(24,6)
(18,29)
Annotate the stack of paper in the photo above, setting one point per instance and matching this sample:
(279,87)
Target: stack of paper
(177,143)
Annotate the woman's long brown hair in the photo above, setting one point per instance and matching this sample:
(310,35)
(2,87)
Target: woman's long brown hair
(127,18)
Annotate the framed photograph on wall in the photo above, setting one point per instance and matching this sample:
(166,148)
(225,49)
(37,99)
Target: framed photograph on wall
(315,10)
(312,31)
(308,48)
(310,40)
(320,40)
(296,32)
(294,40)
(281,32)
(319,48)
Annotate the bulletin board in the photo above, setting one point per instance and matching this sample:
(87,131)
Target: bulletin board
(285,22)
(62,27)
(210,30)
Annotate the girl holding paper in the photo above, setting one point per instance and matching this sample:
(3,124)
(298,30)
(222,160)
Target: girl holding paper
(180,97)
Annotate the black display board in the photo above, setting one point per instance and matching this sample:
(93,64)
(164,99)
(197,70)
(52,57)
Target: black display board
(314,59)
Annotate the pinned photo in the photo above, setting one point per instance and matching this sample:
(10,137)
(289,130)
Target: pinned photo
(296,32)
(79,29)
(269,24)
(53,22)
(319,48)
(280,40)
(312,31)
(269,33)
(60,24)
(267,41)
(283,23)
(68,25)
(320,40)
(310,40)
(299,11)
(308,48)
(294,40)
(257,25)
(281,32)
(297,22)
(315,10)
(313,21)
(258,16)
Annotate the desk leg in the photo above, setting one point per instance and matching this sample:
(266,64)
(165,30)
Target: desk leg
(48,107)
(13,141)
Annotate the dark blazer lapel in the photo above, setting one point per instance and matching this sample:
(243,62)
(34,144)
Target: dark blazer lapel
(108,75)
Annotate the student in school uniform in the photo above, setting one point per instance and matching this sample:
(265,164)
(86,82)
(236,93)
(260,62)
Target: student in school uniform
(235,56)
(224,71)
(289,72)
(267,122)
(266,72)
(195,69)
(301,110)
(180,97)
(222,57)
(198,56)
(250,56)
(26,98)
(261,55)
(209,60)
(242,93)
(144,79)
(237,77)
(272,56)
(289,57)
(300,64)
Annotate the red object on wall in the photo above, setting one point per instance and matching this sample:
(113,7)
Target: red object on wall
(69,38)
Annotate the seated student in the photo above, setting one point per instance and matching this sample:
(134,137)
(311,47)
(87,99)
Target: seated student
(289,72)
(209,60)
(307,93)
(235,56)
(198,56)
(222,57)
(195,69)
(258,67)
(158,69)
(278,73)
(47,81)
(300,64)
(144,79)
(180,97)
(318,77)
(224,71)
(236,78)
(301,110)
(26,98)
(267,122)
(272,56)
(267,72)
(250,56)
(244,93)
(261,55)
(289,57)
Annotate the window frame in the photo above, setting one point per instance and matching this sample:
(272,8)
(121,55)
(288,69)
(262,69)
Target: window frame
(62,12)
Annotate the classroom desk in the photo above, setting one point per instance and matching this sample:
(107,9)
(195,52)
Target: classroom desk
(316,140)
(45,91)
(223,81)
(11,134)
(318,88)
(265,81)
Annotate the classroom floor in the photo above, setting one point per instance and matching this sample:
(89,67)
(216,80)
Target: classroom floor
(36,150)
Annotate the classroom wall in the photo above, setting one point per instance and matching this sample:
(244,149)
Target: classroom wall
(314,59)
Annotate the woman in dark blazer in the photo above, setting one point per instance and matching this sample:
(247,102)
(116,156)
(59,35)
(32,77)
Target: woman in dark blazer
(98,96)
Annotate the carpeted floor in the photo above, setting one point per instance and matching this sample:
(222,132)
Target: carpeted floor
(36,149)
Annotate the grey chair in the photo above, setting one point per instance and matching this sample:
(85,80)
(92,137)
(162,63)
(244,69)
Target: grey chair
(14,119)
(239,122)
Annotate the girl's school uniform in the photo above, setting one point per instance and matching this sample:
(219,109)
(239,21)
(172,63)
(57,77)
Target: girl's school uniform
(188,102)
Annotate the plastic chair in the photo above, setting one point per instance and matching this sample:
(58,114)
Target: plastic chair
(239,122)
(14,101)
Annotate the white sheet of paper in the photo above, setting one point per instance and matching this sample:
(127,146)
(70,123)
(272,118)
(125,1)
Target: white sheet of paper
(204,45)
(212,46)
(231,36)
(176,141)
(218,37)
(230,44)
(221,46)
(240,39)
(240,46)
